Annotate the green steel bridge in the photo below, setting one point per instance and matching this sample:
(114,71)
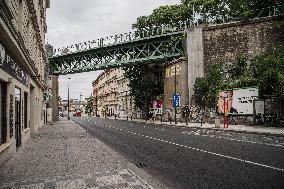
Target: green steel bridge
(165,43)
(142,50)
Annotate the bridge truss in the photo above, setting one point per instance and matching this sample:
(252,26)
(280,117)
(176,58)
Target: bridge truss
(151,49)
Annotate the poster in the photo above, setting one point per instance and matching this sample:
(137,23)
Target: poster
(224,101)
(156,107)
(240,101)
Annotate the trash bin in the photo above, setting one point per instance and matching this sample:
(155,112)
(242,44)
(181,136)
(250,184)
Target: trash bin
(217,122)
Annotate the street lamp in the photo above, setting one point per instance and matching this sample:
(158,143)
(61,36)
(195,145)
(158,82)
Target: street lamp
(68,116)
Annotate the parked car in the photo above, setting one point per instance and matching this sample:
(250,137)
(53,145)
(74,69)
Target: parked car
(77,113)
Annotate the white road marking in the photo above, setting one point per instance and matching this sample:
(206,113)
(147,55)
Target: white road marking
(213,153)
(238,140)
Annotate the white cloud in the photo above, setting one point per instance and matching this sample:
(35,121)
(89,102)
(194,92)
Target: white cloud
(73,21)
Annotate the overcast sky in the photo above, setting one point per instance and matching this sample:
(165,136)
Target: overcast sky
(74,21)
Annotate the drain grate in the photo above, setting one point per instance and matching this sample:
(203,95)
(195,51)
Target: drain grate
(141,165)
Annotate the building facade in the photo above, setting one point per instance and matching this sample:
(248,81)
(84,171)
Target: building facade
(22,75)
(111,94)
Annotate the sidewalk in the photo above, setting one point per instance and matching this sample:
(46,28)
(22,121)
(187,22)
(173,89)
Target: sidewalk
(234,128)
(64,155)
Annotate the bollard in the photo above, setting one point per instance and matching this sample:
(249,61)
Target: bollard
(127,118)
(201,122)
(170,120)
(186,121)
(131,118)
(115,116)
(161,119)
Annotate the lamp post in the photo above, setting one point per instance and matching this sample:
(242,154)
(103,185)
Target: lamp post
(68,116)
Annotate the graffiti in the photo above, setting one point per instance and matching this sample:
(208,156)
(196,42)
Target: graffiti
(11,115)
(270,111)
(170,71)
(195,114)
(259,112)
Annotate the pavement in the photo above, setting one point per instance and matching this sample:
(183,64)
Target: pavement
(233,128)
(64,155)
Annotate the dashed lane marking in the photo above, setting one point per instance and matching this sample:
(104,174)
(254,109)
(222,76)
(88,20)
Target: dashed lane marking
(211,153)
(238,140)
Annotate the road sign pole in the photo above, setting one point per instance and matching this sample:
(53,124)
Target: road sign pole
(175,93)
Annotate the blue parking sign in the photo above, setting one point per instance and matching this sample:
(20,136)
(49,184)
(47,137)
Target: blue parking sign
(176,101)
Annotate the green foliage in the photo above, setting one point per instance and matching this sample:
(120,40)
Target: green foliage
(268,70)
(142,88)
(89,106)
(169,14)
(237,69)
(265,71)
(234,9)
(205,89)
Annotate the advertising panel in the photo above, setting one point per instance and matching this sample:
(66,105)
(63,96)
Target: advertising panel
(240,101)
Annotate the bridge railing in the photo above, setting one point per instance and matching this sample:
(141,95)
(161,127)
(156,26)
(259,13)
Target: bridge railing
(167,29)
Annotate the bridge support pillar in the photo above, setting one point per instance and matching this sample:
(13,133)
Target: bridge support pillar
(194,46)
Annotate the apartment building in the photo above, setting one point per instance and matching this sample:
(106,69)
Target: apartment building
(111,94)
(22,64)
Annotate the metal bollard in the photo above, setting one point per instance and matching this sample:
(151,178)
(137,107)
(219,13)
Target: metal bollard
(170,120)
(186,121)
(114,116)
(131,118)
(127,118)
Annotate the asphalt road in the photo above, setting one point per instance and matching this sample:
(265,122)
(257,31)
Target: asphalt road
(180,159)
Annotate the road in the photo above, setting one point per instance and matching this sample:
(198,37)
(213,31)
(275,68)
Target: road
(180,158)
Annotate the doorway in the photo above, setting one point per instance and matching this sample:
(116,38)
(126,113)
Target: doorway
(3,124)
(18,129)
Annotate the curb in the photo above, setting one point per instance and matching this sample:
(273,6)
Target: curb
(227,130)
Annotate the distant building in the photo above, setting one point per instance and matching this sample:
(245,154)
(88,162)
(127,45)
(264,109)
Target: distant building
(22,72)
(111,94)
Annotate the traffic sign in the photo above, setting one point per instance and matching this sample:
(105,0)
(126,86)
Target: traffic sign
(176,100)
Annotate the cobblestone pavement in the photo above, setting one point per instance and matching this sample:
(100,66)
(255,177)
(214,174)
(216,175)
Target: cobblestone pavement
(244,137)
(64,155)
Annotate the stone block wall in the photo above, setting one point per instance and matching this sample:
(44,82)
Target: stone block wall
(224,43)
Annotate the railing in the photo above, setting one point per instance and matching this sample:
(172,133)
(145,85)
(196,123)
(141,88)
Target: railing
(166,29)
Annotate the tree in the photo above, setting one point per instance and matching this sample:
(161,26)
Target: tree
(264,70)
(233,9)
(267,69)
(143,87)
(89,106)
